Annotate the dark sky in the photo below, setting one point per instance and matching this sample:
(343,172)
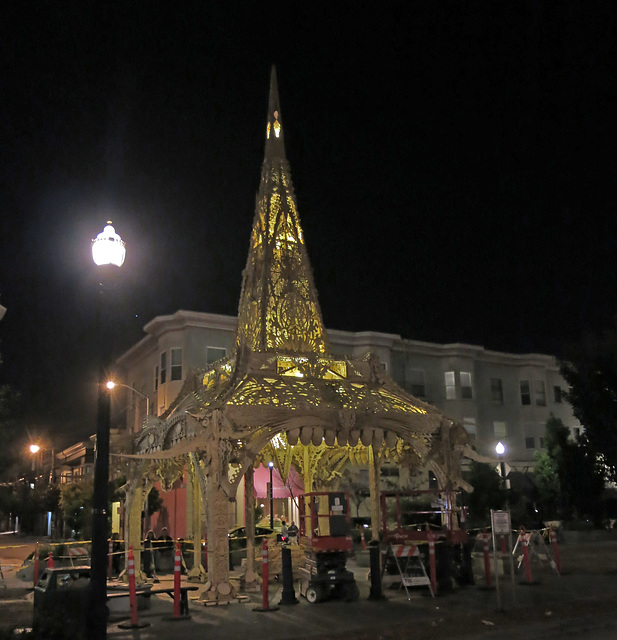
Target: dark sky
(454,164)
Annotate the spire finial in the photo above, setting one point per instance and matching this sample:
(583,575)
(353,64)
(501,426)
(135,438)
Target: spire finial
(275,146)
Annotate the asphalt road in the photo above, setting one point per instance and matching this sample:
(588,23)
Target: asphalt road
(579,604)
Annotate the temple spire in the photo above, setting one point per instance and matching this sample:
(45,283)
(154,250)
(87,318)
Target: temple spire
(275,141)
(278,311)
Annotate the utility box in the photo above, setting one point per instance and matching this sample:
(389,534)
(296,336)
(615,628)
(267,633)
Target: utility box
(61,602)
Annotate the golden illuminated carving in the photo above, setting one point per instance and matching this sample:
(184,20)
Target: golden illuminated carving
(278,310)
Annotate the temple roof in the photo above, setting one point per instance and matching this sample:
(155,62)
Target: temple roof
(279,310)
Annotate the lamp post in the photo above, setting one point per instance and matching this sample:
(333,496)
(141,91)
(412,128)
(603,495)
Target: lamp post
(111,384)
(271,465)
(108,253)
(34,449)
(500,450)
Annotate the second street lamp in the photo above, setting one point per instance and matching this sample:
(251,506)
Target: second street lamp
(270,465)
(111,385)
(108,253)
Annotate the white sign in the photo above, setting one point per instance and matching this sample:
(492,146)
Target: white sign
(501,522)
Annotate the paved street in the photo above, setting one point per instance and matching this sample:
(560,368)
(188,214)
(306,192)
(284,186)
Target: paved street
(580,604)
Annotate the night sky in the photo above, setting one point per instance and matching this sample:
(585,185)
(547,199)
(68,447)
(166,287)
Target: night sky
(454,165)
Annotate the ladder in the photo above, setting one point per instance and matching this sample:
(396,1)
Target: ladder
(410,567)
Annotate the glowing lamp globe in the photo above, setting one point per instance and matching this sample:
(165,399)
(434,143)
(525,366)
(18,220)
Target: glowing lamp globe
(500,449)
(108,247)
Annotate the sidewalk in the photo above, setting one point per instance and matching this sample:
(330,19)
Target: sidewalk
(586,588)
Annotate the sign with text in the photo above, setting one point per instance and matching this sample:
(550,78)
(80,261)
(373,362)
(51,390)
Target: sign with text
(501,522)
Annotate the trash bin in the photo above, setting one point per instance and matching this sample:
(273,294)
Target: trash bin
(61,603)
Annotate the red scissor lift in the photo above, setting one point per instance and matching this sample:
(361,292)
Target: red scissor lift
(405,524)
(325,535)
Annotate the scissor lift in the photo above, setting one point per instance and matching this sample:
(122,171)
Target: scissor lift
(325,535)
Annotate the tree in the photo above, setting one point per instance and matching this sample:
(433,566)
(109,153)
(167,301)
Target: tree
(488,492)
(76,505)
(590,369)
(569,479)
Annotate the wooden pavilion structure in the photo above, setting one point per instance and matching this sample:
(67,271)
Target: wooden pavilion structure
(281,395)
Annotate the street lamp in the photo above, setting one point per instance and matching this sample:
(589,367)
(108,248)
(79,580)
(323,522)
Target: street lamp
(34,449)
(500,449)
(108,253)
(111,384)
(271,465)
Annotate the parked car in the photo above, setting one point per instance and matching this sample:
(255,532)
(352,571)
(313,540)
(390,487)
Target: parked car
(237,540)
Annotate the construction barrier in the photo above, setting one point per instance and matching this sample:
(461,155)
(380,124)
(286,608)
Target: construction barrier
(432,562)
(265,602)
(177,570)
(110,558)
(555,546)
(132,588)
(36,565)
(523,538)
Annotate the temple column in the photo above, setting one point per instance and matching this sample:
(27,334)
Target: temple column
(373,474)
(308,469)
(193,523)
(250,578)
(134,505)
(218,586)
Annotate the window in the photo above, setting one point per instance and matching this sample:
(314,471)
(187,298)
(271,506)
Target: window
(417,386)
(466,389)
(450,385)
(530,440)
(499,430)
(558,394)
(214,353)
(164,367)
(432,480)
(156,377)
(470,427)
(496,391)
(540,393)
(176,364)
(525,392)
(390,471)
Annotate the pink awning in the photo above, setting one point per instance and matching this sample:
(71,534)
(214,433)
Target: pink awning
(261,477)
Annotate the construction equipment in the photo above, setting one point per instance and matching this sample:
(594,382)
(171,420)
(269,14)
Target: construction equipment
(407,518)
(325,535)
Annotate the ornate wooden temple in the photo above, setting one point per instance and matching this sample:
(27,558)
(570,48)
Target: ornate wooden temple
(281,396)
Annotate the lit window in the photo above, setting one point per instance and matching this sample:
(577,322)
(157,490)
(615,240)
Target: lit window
(432,480)
(416,384)
(450,385)
(164,367)
(558,394)
(540,393)
(466,389)
(213,354)
(176,364)
(496,391)
(499,430)
(470,427)
(525,392)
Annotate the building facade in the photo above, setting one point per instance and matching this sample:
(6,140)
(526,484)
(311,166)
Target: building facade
(495,396)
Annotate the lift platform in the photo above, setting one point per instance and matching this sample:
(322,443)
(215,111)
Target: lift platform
(325,535)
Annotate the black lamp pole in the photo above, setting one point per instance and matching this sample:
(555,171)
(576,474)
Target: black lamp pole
(271,464)
(108,253)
